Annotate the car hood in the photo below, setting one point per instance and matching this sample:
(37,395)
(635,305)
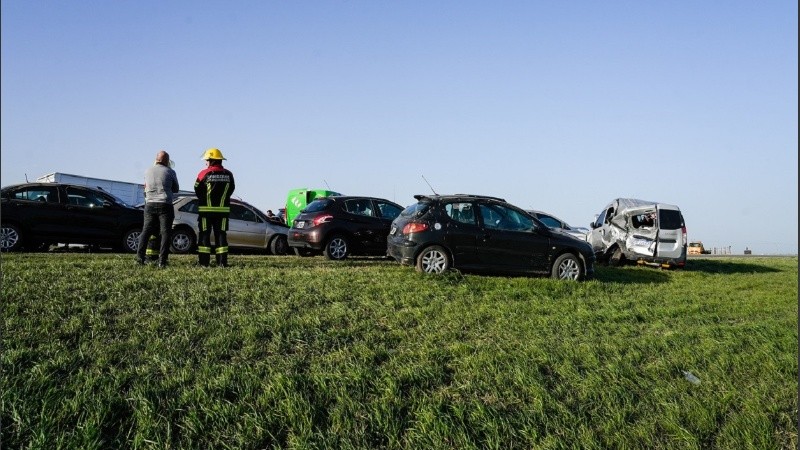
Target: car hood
(561,236)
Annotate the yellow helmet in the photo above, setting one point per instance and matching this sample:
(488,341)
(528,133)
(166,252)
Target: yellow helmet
(213,153)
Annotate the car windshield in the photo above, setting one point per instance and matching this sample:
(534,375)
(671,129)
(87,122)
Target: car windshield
(415,210)
(116,199)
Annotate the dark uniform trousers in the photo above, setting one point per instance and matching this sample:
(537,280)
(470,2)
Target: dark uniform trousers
(218,222)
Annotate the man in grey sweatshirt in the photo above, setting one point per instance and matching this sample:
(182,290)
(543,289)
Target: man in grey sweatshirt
(160,182)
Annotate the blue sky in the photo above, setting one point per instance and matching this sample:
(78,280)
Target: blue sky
(556,106)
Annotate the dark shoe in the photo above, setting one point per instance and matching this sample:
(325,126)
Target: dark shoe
(140,261)
(162,265)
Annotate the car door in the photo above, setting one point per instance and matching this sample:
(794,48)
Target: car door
(386,212)
(39,210)
(462,232)
(367,228)
(671,237)
(597,237)
(92,216)
(246,228)
(640,229)
(510,240)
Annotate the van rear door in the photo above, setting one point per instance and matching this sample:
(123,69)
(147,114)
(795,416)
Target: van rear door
(671,240)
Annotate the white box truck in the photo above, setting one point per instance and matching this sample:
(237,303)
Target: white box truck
(130,193)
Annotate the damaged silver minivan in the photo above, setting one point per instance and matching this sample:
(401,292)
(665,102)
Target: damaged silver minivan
(639,231)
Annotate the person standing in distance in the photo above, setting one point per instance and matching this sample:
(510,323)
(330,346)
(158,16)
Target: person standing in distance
(213,187)
(160,183)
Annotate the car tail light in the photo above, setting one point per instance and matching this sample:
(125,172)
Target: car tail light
(683,231)
(322,219)
(414,227)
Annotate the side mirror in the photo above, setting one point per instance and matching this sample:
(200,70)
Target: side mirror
(592,225)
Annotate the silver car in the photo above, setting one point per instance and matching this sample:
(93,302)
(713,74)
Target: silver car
(640,231)
(554,223)
(248,228)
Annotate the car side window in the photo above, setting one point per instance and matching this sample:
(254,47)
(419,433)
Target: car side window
(85,198)
(549,221)
(236,213)
(387,210)
(361,207)
(609,214)
(600,219)
(647,220)
(38,194)
(461,212)
(190,207)
(499,217)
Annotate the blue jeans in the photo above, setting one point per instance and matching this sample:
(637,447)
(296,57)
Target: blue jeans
(157,221)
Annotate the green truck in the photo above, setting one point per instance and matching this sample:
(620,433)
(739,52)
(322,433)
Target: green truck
(299,198)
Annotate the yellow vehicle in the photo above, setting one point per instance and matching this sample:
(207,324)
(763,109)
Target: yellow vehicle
(696,248)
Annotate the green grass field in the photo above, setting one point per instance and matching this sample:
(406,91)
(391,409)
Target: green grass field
(287,352)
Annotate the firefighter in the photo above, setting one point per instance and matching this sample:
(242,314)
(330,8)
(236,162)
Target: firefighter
(153,247)
(214,186)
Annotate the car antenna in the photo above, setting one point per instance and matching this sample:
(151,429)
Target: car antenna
(429,185)
(326,183)
(26,178)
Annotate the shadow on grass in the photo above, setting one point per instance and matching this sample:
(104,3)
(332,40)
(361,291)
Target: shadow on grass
(630,275)
(728,267)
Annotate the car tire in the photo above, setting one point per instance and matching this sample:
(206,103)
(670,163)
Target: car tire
(337,248)
(10,238)
(183,241)
(433,259)
(568,267)
(279,245)
(130,240)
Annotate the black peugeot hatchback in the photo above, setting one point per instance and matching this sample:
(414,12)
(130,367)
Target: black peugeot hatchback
(481,233)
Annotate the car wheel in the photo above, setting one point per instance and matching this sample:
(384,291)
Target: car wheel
(10,238)
(337,248)
(433,259)
(279,246)
(567,267)
(183,241)
(130,240)
(304,252)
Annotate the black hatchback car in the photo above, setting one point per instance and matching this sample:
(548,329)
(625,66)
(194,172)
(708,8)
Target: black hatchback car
(37,214)
(482,233)
(340,226)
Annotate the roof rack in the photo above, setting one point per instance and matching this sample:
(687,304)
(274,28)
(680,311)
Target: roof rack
(421,196)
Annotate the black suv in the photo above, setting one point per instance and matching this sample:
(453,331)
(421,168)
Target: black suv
(476,232)
(35,215)
(340,226)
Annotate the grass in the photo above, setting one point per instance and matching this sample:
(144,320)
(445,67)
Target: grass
(286,352)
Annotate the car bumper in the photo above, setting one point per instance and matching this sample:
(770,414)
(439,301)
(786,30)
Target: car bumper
(304,238)
(402,251)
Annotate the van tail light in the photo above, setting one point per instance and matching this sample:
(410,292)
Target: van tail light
(325,218)
(414,227)
(683,231)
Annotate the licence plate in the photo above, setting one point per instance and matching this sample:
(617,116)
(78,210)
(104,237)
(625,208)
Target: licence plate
(300,224)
